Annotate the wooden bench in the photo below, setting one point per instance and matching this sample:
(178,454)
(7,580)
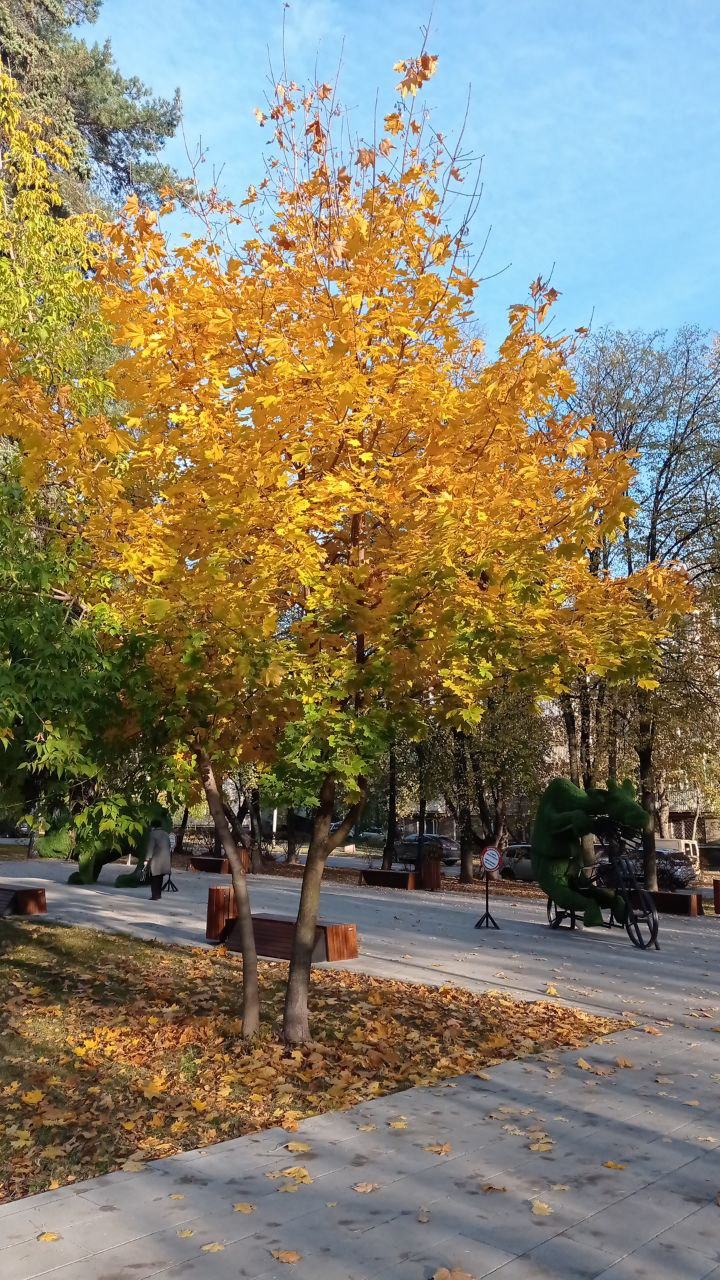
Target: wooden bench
(274,937)
(220,908)
(390,879)
(22,900)
(217,864)
(208,862)
(430,874)
(679,903)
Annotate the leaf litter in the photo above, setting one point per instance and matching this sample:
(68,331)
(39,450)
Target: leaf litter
(120,1051)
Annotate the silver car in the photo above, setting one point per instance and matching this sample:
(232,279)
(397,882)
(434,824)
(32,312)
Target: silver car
(516,863)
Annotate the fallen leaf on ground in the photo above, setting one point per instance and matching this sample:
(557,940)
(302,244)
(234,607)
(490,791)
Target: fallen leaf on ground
(560,1186)
(92,1121)
(286,1255)
(423,1215)
(244,1206)
(366,1128)
(551,990)
(177,1195)
(490,1186)
(366,1187)
(541,1209)
(439,1149)
(398,1124)
(624,1062)
(455,1274)
(692,1103)
(652,1031)
(546,1145)
(290,1187)
(186,1233)
(46,1236)
(583,1064)
(612,1164)
(215,1247)
(297,1147)
(35,1095)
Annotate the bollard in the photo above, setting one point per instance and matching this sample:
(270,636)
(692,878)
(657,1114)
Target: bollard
(716,896)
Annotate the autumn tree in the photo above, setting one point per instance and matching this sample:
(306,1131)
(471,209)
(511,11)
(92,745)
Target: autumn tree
(658,398)
(408,522)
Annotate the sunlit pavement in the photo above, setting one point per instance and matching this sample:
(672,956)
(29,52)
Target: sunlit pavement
(656,1216)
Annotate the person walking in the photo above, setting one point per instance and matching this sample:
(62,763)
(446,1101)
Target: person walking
(157,858)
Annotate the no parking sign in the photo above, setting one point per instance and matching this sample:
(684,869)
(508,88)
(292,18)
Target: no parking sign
(491,860)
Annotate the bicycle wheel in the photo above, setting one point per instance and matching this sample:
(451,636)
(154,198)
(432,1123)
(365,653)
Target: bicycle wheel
(641,919)
(553,913)
(556,915)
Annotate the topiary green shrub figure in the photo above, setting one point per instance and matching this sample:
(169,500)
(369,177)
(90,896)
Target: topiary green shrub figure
(565,814)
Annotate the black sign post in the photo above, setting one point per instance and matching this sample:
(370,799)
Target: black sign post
(491,861)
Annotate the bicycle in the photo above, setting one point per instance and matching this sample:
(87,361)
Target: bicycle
(617,872)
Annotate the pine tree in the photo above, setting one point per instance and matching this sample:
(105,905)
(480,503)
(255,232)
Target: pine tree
(115,127)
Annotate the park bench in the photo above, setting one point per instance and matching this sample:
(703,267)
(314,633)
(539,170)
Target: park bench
(274,937)
(208,862)
(274,934)
(22,900)
(388,879)
(679,902)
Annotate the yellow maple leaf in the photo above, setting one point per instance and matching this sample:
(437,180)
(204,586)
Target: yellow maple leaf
(612,1164)
(541,1209)
(215,1247)
(298,1147)
(46,1237)
(244,1206)
(34,1096)
(286,1255)
(185,1233)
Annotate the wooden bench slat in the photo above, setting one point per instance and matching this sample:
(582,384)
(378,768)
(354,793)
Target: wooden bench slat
(389,879)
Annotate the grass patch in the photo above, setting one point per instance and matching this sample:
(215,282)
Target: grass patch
(117,1051)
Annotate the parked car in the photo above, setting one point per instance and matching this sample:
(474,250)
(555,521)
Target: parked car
(406,850)
(674,868)
(516,863)
(372,837)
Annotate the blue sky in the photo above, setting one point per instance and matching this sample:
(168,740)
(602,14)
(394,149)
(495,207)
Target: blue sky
(598,122)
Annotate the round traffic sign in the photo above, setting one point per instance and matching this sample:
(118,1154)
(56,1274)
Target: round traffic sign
(491,858)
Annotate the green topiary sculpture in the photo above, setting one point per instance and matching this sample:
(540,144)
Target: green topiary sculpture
(565,814)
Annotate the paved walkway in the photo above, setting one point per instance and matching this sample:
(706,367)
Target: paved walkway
(481,1206)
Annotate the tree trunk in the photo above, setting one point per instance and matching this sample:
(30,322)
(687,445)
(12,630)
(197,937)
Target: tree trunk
(468,840)
(422,809)
(291,829)
(613,743)
(662,808)
(586,773)
(389,850)
(251,990)
(256,855)
(644,750)
(696,814)
(571,733)
(180,833)
(296,1025)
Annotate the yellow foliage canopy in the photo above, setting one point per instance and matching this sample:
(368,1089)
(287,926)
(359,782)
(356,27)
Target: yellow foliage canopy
(310,479)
